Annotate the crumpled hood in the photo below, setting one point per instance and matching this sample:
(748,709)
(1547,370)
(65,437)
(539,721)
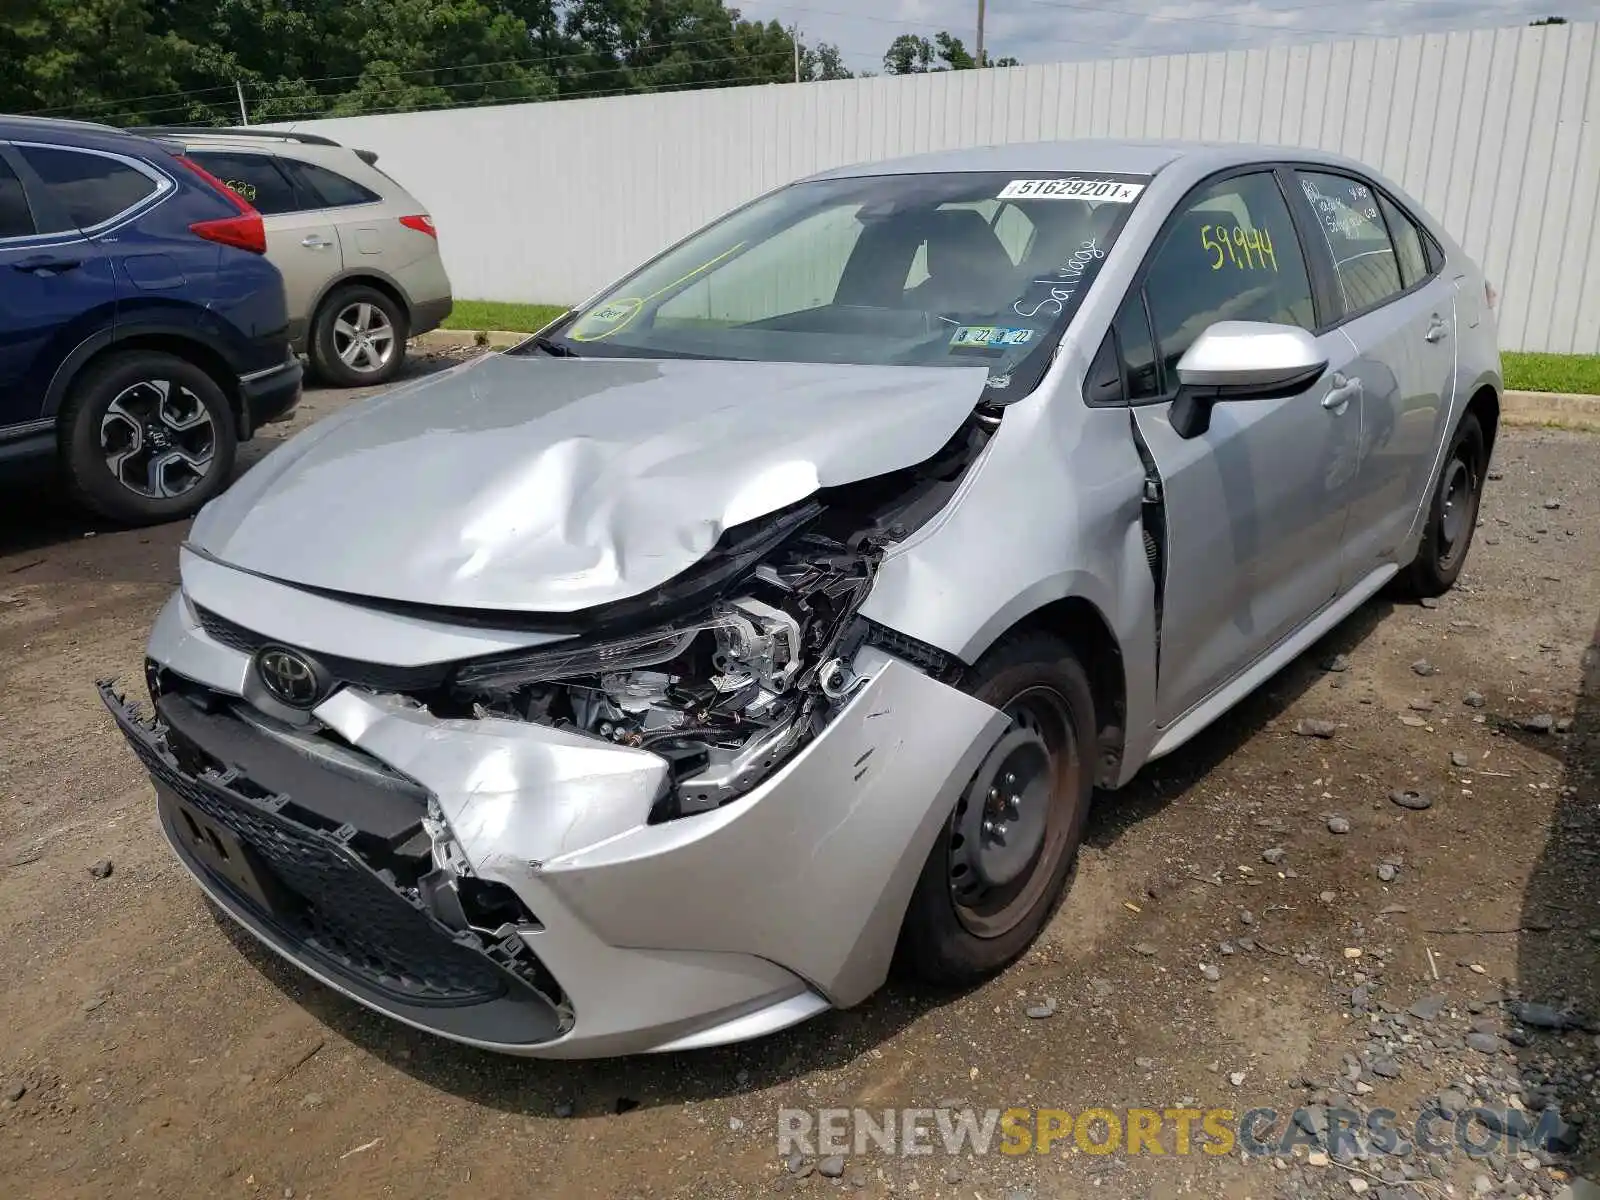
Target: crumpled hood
(552,485)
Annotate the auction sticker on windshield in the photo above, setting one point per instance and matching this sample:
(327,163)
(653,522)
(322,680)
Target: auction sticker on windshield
(1111,191)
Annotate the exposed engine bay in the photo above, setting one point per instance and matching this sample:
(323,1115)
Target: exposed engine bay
(758,660)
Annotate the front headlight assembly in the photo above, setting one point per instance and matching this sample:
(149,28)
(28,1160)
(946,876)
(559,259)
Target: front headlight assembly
(725,697)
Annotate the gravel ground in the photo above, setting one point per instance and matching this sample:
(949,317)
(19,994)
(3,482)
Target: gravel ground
(1405,914)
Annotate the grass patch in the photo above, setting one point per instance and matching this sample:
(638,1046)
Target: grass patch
(1528,372)
(497,314)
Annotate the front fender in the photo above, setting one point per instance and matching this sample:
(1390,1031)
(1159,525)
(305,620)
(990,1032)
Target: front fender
(813,869)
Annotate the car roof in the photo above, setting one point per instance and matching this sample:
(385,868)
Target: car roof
(1088,155)
(88,134)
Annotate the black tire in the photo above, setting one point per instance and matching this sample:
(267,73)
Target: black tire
(946,939)
(169,412)
(331,333)
(1452,514)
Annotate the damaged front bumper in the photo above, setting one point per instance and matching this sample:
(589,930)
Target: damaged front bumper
(620,935)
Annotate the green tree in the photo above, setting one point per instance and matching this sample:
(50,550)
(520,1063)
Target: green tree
(90,58)
(823,61)
(909,54)
(184,61)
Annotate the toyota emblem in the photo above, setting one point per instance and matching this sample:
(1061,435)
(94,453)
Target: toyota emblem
(289,676)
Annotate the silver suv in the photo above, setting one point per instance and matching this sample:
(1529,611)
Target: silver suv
(359,255)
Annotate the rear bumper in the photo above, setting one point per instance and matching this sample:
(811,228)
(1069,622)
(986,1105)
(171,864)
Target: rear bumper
(430,314)
(273,394)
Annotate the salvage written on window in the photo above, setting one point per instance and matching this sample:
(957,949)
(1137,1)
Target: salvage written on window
(1112,191)
(1243,249)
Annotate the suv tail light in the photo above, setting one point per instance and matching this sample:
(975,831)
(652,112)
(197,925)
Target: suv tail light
(245,231)
(422,223)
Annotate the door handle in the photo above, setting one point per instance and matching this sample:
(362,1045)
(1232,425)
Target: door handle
(44,263)
(315,241)
(1341,393)
(1437,332)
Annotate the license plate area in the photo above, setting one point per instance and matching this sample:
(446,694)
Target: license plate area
(216,848)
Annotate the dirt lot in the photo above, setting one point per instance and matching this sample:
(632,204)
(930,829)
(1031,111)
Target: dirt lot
(150,1049)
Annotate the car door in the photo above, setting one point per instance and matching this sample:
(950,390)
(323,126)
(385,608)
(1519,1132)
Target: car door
(1255,505)
(1399,316)
(57,285)
(366,236)
(302,238)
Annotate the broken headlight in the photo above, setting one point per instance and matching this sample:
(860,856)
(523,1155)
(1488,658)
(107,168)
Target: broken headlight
(725,697)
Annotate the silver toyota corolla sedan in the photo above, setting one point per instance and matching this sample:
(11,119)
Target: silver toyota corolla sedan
(773,615)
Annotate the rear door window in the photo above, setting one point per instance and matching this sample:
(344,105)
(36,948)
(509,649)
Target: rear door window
(328,188)
(1347,213)
(15,218)
(91,189)
(256,178)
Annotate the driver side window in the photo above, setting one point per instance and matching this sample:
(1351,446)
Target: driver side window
(1230,254)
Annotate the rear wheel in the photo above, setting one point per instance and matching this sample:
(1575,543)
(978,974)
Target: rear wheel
(146,437)
(358,338)
(1004,856)
(1452,514)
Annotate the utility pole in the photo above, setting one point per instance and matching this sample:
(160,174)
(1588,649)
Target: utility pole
(980,33)
(244,117)
(794,38)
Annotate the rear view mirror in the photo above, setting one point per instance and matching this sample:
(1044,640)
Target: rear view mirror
(1242,360)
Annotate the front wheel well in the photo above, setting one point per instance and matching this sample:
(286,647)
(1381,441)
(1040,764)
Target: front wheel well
(1080,624)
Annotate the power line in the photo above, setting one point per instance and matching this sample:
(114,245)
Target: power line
(705,85)
(503,62)
(152,116)
(903,22)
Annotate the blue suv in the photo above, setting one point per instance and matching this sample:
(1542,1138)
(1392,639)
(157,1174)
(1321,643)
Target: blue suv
(143,335)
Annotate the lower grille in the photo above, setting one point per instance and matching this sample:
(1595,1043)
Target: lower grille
(329,903)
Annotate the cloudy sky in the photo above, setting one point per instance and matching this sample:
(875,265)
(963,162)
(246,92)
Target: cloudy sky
(1055,30)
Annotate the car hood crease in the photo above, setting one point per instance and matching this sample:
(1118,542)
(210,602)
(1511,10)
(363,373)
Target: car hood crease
(553,485)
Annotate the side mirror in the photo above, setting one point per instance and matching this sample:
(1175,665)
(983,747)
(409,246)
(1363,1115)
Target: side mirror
(1242,360)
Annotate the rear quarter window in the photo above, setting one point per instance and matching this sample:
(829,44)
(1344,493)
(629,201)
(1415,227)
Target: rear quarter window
(90,188)
(330,189)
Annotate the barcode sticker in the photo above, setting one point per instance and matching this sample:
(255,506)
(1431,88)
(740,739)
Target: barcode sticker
(1112,191)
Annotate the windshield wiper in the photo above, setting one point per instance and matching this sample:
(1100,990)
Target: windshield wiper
(550,346)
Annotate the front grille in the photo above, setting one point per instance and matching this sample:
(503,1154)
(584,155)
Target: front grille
(332,904)
(377,677)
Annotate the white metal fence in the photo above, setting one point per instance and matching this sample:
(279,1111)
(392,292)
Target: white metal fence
(1493,130)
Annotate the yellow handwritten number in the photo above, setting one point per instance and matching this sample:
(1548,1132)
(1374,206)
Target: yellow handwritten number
(1264,246)
(1244,249)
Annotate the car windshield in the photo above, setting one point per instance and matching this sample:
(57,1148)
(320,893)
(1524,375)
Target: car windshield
(936,269)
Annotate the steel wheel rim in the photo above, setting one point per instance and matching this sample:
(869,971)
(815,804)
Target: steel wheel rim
(993,911)
(1458,509)
(363,337)
(158,439)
